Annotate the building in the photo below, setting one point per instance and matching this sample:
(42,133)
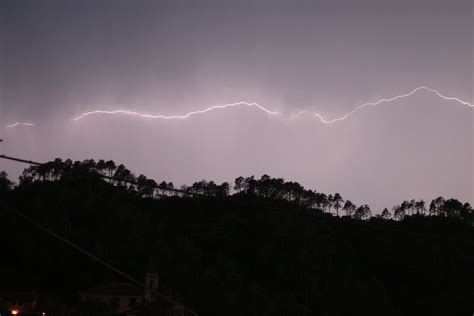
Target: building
(122,297)
(18,302)
(125,298)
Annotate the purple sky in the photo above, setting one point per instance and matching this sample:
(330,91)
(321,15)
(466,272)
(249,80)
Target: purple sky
(59,59)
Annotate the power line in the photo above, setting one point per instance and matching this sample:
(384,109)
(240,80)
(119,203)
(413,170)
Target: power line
(21,160)
(81,250)
(66,241)
(92,256)
(31,162)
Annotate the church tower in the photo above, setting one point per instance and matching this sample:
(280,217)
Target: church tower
(151,281)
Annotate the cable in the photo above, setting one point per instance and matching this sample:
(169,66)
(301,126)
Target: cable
(90,255)
(85,252)
(105,177)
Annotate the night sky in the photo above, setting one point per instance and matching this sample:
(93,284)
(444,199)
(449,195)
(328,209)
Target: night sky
(59,59)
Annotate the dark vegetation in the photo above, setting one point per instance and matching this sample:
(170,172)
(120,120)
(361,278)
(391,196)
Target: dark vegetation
(269,248)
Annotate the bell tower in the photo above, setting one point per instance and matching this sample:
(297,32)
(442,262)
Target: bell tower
(151,281)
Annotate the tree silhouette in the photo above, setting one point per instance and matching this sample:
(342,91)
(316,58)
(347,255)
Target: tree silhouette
(337,201)
(266,187)
(234,251)
(452,208)
(385,214)
(420,207)
(163,186)
(349,208)
(398,212)
(362,212)
(329,203)
(145,187)
(436,206)
(110,167)
(5,183)
(239,184)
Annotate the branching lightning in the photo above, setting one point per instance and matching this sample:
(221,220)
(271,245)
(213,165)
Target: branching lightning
(19,124)
(262,108)
(170,117)
(359,107)
(259,107)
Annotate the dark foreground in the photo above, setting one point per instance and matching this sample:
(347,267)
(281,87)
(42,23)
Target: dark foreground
(233,255)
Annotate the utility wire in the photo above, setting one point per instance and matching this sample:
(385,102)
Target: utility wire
(61,238)
(105,177)
(83,251)
(92,256)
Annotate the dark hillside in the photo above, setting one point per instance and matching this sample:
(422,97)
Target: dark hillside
(241,254)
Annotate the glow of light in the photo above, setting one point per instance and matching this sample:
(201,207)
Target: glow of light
(259,107)
(14,312)
(359,107)
(319,116)
(19,124)
(170,117)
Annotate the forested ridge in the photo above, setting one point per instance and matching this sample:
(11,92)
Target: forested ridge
(252,247)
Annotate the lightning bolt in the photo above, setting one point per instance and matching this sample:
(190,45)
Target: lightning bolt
(19,124)
(261,108)
(171,117)
(359,107)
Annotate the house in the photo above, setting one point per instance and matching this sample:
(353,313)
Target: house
(18,302)
(121,296)
(125,298)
